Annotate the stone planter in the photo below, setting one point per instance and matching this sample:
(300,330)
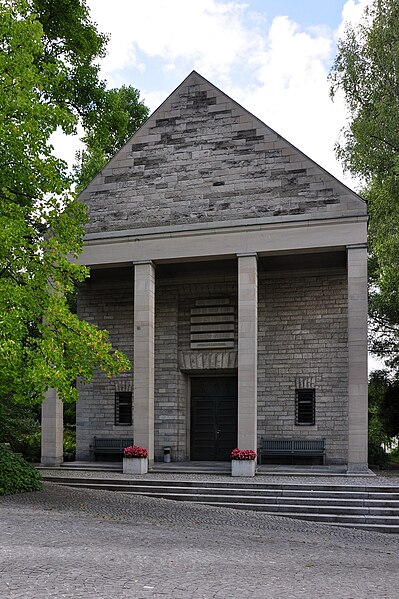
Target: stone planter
(135,465)
(243,467)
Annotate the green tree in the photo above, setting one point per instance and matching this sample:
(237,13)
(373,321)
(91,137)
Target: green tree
(384,401)
(120,115)
(42,344)
(19,425)
(366,70)
(71,47)
(379,434)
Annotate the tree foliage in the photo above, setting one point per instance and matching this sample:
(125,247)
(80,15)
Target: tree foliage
(71,46)
(366,69)
(384,401)
(48,80)
(120,115)
(18,423)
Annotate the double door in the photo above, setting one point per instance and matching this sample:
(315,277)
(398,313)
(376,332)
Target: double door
(213,418)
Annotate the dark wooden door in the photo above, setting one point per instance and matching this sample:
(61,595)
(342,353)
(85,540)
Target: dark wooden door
(213,418)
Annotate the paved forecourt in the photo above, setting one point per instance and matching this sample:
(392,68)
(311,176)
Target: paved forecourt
(82,543)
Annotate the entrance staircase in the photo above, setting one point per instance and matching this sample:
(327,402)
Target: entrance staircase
(363,506)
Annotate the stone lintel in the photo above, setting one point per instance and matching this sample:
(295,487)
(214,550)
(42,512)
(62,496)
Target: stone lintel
(224,242)
(193,361)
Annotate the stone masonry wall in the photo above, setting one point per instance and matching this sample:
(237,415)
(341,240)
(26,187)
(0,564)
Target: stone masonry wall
(168,417)
(174,299)
(106,301)
(303,335)
(202,158)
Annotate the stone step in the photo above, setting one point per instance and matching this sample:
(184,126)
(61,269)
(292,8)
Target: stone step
(221,468)
(383,528)
(366,521)
(316,509)
(196,493)
(360,491)
(340,506)
(343,505)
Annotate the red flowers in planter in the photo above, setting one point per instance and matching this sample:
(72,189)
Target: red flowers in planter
(134,451)
(243,454)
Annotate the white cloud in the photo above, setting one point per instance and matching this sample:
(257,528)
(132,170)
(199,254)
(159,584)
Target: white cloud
(154,98)
(66,146)
(291,91)
(352,12)
(207,34)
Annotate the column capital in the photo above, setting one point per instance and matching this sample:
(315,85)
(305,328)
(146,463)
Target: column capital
(247,255)
(143,262)
(357,246)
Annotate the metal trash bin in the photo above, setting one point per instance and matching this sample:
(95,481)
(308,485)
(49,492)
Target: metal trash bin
(166,454)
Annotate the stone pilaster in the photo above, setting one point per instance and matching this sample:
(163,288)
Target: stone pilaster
(52,429)
(357,353)
(247,350)
(143,362)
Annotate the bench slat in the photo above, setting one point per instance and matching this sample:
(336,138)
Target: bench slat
(110,445)
(292,447)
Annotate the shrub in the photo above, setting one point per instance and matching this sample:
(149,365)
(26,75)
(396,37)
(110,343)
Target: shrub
(394,454)
(29,445)
(377,437)
(16,475)
(69,445)
(20,427)
(377,455)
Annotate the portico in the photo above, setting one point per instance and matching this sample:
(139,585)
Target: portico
(236,261)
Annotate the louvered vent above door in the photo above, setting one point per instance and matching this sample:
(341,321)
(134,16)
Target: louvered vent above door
(212,324)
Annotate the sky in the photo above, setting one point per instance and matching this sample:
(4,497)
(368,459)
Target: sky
(271,56)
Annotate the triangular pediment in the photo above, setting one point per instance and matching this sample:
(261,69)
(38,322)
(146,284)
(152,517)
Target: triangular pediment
(203,158)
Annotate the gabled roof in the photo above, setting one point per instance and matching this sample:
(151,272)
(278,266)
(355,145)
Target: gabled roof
(203,158)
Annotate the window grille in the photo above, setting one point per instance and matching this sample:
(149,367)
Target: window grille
(305,400)
(123,408)
(212,324)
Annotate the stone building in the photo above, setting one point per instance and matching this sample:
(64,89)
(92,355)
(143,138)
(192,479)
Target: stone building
(231,269)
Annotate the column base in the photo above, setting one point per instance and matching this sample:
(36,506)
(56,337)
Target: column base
(358,468)
(50,462)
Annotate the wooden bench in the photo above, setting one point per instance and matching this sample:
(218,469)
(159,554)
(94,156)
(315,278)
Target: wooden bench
(292,448)
(110,446)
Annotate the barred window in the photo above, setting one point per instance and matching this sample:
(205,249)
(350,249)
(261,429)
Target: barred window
(123,408)
(305,400)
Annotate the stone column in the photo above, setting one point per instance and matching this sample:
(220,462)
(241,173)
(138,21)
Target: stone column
(357,354)
(52,429)
(143,359)
(247,350)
